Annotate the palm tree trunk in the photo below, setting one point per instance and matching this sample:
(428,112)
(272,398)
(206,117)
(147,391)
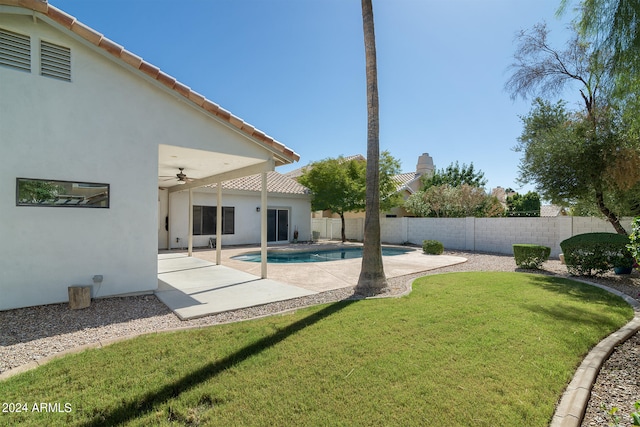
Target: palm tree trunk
(372,280)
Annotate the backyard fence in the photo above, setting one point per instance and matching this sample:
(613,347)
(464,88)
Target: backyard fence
(495,235)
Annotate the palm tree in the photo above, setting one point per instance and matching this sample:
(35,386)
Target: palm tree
(372,280)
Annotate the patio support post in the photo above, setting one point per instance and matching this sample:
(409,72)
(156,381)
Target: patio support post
(190,251)
(263,227)
(168,222)
(219,224)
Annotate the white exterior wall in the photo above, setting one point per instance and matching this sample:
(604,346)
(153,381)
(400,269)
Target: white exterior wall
(482,234)
(105,126)
(247,220)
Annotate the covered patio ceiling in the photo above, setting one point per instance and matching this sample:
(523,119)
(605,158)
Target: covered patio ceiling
(203,167)
(200,168)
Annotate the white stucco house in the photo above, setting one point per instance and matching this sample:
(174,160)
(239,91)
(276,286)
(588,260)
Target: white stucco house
(92,139)
(289,206)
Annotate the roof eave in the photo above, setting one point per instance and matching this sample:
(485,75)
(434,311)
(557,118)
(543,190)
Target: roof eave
(95,40)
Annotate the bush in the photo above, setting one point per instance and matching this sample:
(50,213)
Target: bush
(634,239)
(432,247)
(530,256)
(595,253)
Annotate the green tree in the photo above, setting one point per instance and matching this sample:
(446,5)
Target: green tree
(455,176)
(416,205)
(574,165)
(339,185)
(574,156)
(455,191)
(336,185)
(446,201)
(372,279)
(523,205)
(612,26)
(389,167)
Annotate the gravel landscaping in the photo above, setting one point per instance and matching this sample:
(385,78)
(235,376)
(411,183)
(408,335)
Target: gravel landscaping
(35,333)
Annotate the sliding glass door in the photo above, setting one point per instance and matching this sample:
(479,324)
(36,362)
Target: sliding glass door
(277,225)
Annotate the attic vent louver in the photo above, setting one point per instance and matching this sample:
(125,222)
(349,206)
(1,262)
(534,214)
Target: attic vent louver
(55,61)
(15,51)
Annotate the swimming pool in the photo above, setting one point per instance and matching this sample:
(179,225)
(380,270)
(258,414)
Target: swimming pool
(320,255)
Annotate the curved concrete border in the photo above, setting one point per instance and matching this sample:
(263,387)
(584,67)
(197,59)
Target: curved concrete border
(573,403)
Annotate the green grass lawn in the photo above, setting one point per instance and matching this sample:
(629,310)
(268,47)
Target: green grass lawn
(481,349)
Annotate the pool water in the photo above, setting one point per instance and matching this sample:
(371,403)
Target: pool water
(316,256)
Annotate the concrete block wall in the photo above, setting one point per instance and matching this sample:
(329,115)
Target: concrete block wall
(354,229)
(450,231)
(393,230)
(495,235)
(499,234)
(595,225)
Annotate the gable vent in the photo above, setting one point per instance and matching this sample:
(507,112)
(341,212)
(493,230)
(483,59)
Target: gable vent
(55,61)
(15,51)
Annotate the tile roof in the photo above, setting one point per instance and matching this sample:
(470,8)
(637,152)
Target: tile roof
(552,210)
(405,178)
(132,60)
(276,183)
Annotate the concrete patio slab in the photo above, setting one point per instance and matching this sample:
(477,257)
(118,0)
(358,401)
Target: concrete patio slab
(193,287)
(329,275)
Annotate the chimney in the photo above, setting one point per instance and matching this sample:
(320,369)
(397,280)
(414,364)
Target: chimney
(425,165)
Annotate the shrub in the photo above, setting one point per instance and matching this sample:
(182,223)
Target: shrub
(634,239)
(595,253)
(432,247)
(530,256)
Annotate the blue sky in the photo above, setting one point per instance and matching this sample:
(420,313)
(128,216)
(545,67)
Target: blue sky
(295,69)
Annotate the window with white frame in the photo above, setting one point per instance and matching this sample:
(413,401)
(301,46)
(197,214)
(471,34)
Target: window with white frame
(205,220)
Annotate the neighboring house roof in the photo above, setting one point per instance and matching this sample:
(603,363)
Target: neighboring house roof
(406,180)
(95,38)
(276,183)
(552,210)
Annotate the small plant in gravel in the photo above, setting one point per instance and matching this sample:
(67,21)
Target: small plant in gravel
(612,414)
(615,418)
(432,247)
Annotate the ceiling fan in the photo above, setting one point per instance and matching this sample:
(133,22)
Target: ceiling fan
(181,176)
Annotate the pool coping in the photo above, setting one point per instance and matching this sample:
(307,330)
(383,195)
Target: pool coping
(318,248)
